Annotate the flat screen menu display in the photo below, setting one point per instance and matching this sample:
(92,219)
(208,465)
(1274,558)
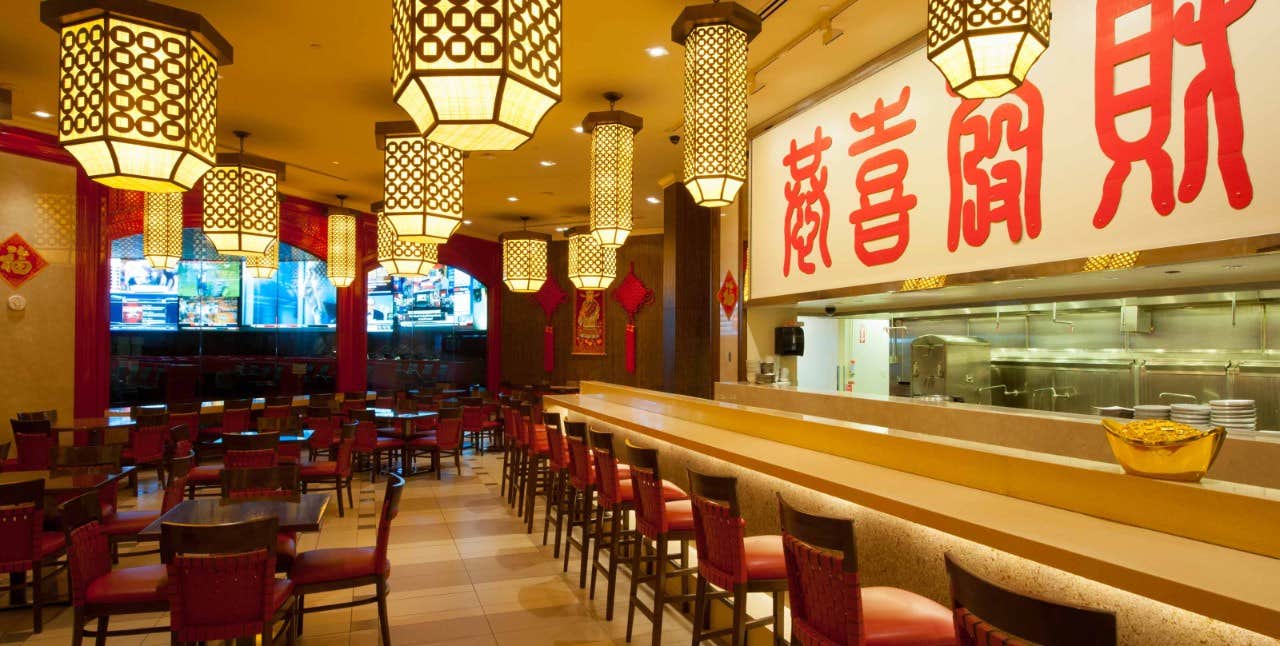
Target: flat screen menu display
(142,298)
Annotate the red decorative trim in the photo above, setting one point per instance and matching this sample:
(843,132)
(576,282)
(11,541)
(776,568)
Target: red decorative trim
(92,322)
(36,145)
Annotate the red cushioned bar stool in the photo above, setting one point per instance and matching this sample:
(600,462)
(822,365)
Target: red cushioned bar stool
(986,614)
(732,561)
(97,591)
(222,582)
(507,485)
(828,605)
(581,494)
(558,488)
(25,546)
(660,522)
(537,464)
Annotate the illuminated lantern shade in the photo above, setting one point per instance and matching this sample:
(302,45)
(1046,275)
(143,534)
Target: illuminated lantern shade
(264,267)
(422,183)
(241,206)
(343,255)
(476,74)
(524,260)
(398,257)
(138,91)
(985,49)
(613,143)
(715,38)
(162,229)
(592,266)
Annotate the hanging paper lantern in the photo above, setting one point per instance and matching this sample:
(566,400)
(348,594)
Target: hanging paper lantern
(592,266)
(524,260)
(343,256)
(264,267)
(476,74)
(715,38)
(422,184)
(138,90)
(162,229)
(241,206)
(398,257)
(985,49)
(613,136)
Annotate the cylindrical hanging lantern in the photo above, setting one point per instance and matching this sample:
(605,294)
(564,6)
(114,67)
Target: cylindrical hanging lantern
(241,206)
(613,136)
(162,229)
(343,255)
(398,257)
(264,267)
(985,49)
(715,38)
(476,74)
(524,260)
(422,183)
(138,91)
(592,266)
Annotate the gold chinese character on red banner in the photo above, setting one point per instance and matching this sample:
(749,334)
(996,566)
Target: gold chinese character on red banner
(19,261)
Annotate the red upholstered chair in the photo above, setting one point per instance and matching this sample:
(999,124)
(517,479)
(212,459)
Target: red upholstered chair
(278,406)
(146,448)
(186,414)
(286,452)
(384,399)
(323,570)
(510,456)
(236,415)
(126,525)
(537,472)
(97,591)
(240,451)
(830,607)
(447,440)
(81,459)
(222,582)
(25,546)
(733,562)
(662,522)
(324,430)
(336,472)
(34,440)
(986,614)
(351,401)
(476,423)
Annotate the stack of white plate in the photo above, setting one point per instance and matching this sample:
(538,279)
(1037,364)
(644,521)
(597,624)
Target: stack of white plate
(1234,414)
(1191,414)
(1151,411)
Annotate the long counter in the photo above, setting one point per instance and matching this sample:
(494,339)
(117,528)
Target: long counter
(1209,548)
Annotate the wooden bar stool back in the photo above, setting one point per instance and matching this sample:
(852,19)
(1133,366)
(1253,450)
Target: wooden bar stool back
(558,464)
(660,522)
(614,499)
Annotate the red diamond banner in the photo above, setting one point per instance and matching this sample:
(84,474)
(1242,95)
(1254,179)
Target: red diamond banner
(19,261)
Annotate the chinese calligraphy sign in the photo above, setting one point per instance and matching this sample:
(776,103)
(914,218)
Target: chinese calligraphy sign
(19,261)
(808,209)
(884,209)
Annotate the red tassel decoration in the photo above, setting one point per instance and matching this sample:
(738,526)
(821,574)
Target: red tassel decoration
(631,348)
(548,349)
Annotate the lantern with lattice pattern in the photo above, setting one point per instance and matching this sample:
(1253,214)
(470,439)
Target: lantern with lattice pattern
(476,74)
(264,267)
(985,49)
(138,90)
(715,38)
(343,256)
(592,266)
(400,258)
(422,183)
(162,229)
(241,206)
(613,137)
(524,260)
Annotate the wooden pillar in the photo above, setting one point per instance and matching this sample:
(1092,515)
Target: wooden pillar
(689,264)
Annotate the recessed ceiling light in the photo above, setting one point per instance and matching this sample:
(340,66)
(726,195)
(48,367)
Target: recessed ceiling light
(577,129)
(546,163)
(467,222)
(41,114)
(561,229)
(653,200)
(657,51)
(513,199)
(335,162)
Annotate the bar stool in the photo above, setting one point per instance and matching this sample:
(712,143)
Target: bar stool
(662,523)
(509,453)
(830,607)
(558,489)
(985,613)
(537,470)
(733,562)
(582,480)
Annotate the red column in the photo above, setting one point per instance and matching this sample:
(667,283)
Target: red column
(353,337)
(92,337)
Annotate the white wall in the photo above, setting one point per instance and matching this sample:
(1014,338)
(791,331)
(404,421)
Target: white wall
(817,369)
(866,356)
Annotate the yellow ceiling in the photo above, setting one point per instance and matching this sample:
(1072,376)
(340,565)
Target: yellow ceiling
(311,77)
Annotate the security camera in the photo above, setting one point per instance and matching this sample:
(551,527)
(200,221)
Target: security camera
(674,139)
(830,310)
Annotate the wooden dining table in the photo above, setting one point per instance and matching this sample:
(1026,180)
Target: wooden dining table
(406,423)
(289,438)
(302,515)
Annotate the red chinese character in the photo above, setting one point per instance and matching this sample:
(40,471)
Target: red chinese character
(1217,78)
(806,225)
(1004,190)
(882,173)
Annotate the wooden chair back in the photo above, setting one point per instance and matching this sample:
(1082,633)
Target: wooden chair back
(250,442)
(51,415)
(76,458)
(281,482)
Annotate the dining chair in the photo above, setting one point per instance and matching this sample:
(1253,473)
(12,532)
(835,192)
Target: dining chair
(125,525)
(446,441)
(146,447)
(985,613)
(661,522)
(222,582)
(828,603)
(78,459)
(4,455)
(99,592)
(277,406)
(281,482)
(240,450)
(236,417)
(558,489)
(51,415)
(34,441)
(186,414)
(25,546)
(336,472)
(324,429)
(286,452)
(325,570)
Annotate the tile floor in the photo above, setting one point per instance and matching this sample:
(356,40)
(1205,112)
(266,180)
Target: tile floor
(463,572)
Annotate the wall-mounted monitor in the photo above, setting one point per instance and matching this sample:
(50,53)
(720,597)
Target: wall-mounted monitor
(142,297)
(444,298)
(209,294)
(299,296)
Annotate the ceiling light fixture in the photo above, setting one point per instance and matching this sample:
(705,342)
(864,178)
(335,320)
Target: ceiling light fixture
(653,200)
(524,259)
(264,267)
(546,163)
(138,91)
(476,75)
(422,183)
(41,114)
(577,129)
(398,257)
(513,198)
(162,229)
(613,144)
(715,38)
(342,256)
(466,222)
(241,205)
(986,49)
(657,51)
(592,266)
